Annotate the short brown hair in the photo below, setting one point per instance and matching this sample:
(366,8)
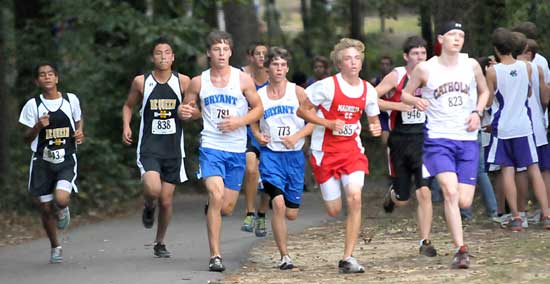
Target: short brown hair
(529,29)
(344,44)
(275,52)
(215,37)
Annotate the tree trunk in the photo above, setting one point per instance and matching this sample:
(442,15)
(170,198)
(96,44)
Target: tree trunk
(356,20)
(382,24)
(7,74)
(426,26)
(274,31)
(305,9)
(236,13)
(149,8)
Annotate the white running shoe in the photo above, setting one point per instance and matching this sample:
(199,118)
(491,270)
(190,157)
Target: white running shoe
(56,255)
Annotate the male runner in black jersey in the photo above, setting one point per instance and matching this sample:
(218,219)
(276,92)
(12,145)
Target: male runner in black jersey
(54,128)
(160,151)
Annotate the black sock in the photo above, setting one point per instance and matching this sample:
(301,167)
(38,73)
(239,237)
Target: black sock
(250,214)
(261,215)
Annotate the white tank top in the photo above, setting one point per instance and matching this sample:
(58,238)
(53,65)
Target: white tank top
(280,118)
(451,102)
(510,112)
(216,103)
(535,105)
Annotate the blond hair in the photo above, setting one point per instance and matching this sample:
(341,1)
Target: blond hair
(346,43)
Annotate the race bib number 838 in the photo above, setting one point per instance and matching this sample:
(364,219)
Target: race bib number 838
(163,126)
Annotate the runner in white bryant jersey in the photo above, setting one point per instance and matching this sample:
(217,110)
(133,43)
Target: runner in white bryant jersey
(335,104)
(281,134)
(53,128)
(513,143)
(160,151)
(225,95)
(450,152)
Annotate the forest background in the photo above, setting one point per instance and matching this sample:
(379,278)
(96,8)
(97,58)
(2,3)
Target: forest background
(100,45)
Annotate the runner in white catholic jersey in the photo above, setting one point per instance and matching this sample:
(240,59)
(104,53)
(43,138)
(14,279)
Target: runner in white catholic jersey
(280,118)
(450,101)
(217,104)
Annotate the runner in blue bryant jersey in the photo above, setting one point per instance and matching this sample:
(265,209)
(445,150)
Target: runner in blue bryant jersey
(450,151)
(54,126)
(160,150)
(228,102)
(281,133)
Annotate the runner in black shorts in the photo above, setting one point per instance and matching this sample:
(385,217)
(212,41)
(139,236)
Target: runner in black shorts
(405,143)
(160,150)
(254,221)
(54,128)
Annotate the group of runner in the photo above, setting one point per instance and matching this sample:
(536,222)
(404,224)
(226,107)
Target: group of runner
(255,123)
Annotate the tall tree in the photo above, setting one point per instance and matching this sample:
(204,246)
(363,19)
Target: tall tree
(357,19)
(238,12)
(7,42)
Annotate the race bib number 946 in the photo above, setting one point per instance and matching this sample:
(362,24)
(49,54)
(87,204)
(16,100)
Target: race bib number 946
(53,156)
(413,117)
(164,126)
(348,130)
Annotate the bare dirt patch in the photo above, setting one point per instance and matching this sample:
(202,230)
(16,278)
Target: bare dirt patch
(388,247)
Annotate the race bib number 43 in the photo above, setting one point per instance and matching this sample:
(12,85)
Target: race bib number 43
(163,126)
(53,156)
(348,130)
(413,117)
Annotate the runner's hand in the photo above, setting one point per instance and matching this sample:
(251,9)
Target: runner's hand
(185,111)
(79,137)
(127,136)
(263,139)
(473,122)
(43,121)
(230,124)
(289,141)
(336,125)
(421,104)
(375,129)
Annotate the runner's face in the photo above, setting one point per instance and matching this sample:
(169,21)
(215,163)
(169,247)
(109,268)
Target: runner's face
(278,68)
(319,69)
(350,62)
(163,57)
(452,41)
(47,79)
(415,56)
(219,54)
(258,57)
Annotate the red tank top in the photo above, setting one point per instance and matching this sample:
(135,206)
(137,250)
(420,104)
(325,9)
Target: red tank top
(348,110)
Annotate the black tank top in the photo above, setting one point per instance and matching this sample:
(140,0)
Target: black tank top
(161,133)
(56,141)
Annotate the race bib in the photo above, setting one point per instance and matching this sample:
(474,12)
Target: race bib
(281,131)
(413,117)
(163,126)
(453,102)
(348,130)
(219,114)
(53,156)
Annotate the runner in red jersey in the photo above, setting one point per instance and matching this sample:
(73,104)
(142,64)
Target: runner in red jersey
(335,105)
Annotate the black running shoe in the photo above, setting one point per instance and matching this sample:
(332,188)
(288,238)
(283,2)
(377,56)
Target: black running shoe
(148,217)
(427,249)
(160,251)
(388,203)
(216,264)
